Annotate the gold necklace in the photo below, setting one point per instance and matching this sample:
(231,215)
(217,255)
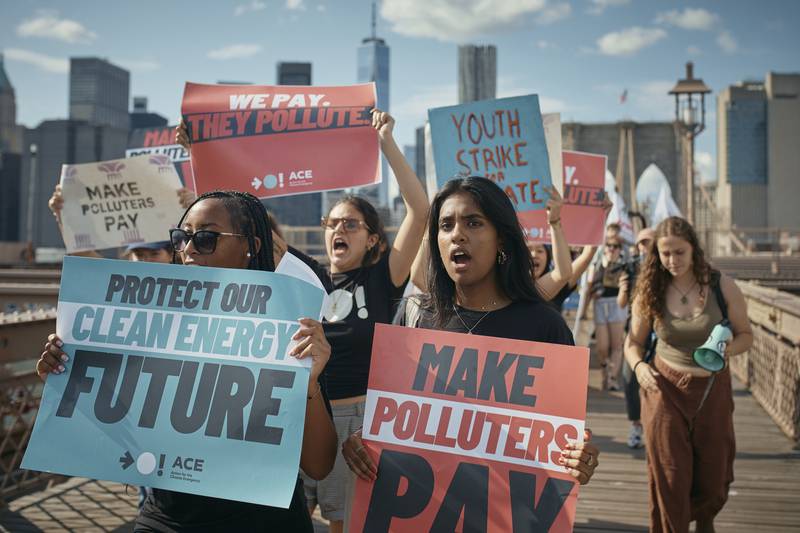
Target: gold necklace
(475,325)
(684,299)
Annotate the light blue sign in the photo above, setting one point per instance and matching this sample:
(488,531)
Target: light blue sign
(178,379)
(501,139)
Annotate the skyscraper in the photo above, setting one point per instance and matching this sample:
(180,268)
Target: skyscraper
(299,209)
(98,92)
(10,139)
(294,73)
(758,124)
(142,118)
(477,73)
(373,65)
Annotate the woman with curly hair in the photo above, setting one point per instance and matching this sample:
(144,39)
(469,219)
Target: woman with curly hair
(687,412)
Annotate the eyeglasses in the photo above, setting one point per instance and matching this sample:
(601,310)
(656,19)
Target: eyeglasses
(205,241)
(613,246)
(349,225)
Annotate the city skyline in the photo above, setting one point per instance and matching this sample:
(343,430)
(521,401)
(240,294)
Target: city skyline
(579,56)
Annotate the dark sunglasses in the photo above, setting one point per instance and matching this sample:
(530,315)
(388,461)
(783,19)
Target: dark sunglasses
(349,225)
(205,241)
(613,246)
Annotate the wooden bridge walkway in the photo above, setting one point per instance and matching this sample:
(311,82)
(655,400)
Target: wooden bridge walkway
(765,496)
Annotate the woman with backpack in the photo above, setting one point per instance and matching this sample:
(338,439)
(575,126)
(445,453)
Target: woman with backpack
(687,411)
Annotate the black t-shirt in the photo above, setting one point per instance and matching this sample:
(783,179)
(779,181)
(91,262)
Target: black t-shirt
(167,511)
(319,270)
(558,300)
(521,320)
(360,298)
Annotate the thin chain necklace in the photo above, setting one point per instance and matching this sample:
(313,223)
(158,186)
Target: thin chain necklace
(684,295)
(475,325)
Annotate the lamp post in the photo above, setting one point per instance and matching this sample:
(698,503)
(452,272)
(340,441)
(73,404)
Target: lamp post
(690,101)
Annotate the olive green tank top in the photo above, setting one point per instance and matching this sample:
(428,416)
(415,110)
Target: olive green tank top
(679,337)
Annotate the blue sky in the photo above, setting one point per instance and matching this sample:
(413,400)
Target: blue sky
(578,55)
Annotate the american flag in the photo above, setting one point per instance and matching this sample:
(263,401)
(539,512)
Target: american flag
(623,97)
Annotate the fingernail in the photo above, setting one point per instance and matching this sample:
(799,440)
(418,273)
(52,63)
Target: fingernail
(61,368)
(64,357)
(59,343)
(561,460)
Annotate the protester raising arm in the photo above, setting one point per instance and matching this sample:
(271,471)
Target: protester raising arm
(409,234)
(549,283)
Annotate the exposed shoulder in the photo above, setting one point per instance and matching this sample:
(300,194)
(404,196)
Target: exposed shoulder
(730,290)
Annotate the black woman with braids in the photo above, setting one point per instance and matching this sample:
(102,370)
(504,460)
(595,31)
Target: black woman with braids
(230,229)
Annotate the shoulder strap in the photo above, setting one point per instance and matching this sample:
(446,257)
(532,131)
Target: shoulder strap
(716,287)
(412,312)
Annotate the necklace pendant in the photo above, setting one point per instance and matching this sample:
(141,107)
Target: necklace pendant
(684,300)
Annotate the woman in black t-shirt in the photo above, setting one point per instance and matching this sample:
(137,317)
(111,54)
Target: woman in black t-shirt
(479,281)
(229,229)
(368,277)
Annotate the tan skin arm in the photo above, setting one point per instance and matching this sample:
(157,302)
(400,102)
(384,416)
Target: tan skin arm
(737,315)
(623,296)
(581,263)
(634,349)
(419,268)
(409,234)
(551,282)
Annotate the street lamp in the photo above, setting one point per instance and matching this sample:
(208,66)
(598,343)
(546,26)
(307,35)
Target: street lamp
(690,101)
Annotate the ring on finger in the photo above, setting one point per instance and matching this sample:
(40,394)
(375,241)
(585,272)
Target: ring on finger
(590,460)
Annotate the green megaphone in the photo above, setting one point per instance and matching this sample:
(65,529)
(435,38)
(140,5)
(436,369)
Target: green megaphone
(711,355)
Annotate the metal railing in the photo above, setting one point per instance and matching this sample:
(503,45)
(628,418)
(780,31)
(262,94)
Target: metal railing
(771,368)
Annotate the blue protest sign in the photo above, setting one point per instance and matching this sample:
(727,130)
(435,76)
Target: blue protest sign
(178,378)
(500,139)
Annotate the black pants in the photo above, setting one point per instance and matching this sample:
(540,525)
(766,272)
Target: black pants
(633,405)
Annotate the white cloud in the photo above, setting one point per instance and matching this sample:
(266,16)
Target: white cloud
(295,5)
(629,41)
(44,62)
(689,19)
(554,13)
(234,51)
(252,7)
(693,50)
(139,65)
(597,7)
(706,166)
(726,41)
(457,20)
(48,25)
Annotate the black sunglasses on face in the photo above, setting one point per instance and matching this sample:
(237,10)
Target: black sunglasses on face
(205,241)
(349,225)
(613,246)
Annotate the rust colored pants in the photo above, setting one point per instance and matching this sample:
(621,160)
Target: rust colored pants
(689,452)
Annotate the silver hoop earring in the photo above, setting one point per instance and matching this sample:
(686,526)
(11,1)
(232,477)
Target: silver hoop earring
(248,254)
(501,257)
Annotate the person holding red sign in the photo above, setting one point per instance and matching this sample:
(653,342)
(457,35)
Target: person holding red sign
(687,411)
(480,282)
(230,229)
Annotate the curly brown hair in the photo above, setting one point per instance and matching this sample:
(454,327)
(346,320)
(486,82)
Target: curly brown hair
(652,283)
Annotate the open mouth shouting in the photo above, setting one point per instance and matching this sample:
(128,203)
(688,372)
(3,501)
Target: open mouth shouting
(461,259)
(339,246)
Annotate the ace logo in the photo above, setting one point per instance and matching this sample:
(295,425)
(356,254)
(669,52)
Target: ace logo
(466,432)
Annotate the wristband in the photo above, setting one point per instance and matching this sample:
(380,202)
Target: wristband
(640,361)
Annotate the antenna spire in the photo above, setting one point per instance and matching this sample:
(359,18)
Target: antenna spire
(374,23)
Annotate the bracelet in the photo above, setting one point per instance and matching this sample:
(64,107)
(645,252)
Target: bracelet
(640,361)
(319,388)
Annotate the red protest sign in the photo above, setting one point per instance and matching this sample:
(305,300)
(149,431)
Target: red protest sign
(466,432)
(282,140)
(582,215)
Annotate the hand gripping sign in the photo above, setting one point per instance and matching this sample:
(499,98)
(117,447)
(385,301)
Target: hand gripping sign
(466,432)
(178,378)
(282,140)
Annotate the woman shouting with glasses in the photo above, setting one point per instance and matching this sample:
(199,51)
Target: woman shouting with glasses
(368,275)
(230,229)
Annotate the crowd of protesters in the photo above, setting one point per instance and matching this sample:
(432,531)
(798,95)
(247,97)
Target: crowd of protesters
(473,271)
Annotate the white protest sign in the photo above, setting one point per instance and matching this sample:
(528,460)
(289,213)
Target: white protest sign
(552,136)
(118,203)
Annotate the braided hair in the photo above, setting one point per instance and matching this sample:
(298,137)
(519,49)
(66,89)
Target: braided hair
(249,217)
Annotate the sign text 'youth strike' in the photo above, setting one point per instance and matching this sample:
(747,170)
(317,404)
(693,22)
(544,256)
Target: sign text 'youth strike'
(470,428)
(278,141)
(178,363)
